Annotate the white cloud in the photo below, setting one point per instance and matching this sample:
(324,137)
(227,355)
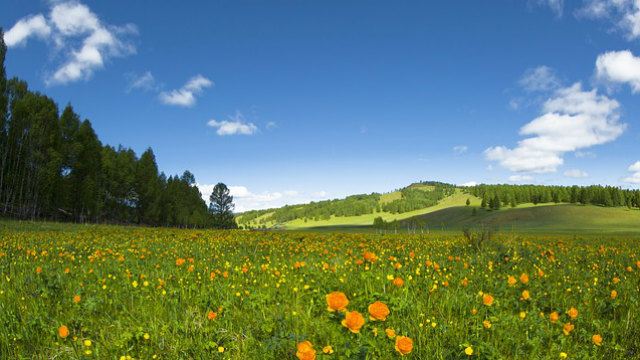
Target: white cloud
(624,14)
(573,119)
(585,154)
(541,78)
(460,149)
(145,82)
(271,125)
(234,126)
(619,67)
(575,173)
(77,34)
(469,184)
(634,178)
(520,178)
(25,28)
(186,95)
(246,200)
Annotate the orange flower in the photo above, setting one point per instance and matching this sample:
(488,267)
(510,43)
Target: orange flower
(573,313)
(378,311)
(390,333)
(404,345)
(511,280)
(614,294)
(487,299)
(369,256)
(180,261)
(567,328)
(353,320)
(398,282)
(63,331)
(554,316)
(597,339)
(212,315)
(76,299)
(305,351)
(524,278)
(38,270)
(486,324)
(526,295)
(337,301)
(327,350)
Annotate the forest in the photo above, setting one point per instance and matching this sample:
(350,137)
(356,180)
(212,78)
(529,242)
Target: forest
(54,167)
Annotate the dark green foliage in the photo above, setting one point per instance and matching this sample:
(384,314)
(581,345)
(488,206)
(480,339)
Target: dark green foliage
(221,207)
(415,198)
(54,167)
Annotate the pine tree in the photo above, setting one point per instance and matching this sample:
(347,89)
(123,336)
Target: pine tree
(221,207)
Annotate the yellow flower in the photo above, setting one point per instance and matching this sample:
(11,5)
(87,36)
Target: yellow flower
(146,336)
(87,343)
(390,333)
(563,355)
(486,324)
(526,295)
(327,350)
(220,349)
(468,350)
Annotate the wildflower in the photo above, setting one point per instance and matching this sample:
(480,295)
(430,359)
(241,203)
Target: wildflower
(220,349)
(76,299)
(398,282)
(180,261)
(573,313)
(511,280)
(305,351)
(369,256)
(523,314)
(146,336)
(63,331)
(327,350)
(614,294)
(353,321)
(567,328)
(487,299)
(212,315)
(486,324)
(597,339)
(563,355)
(38,270)
(378,311)
(390,333)
(524,278)
(87,343)
(337,301)
(526,295)
(468,350)
(404,345)
(554,316)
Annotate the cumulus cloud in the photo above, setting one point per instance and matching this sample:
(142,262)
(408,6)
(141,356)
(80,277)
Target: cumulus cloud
(77,34)
(186,95)
(245,199)
(144,82)
(575,173)
(25,28)
(572,119)
(235,125)
(619,67)
(460,149)
(541,78)
(634,178)
(624,14)
(557,6)
(469,184)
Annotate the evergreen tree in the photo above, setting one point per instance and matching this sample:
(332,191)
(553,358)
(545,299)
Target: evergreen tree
(221,207)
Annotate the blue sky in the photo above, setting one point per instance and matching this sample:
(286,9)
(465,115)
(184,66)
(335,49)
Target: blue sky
(292,101)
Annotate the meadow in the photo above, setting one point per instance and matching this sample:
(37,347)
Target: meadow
(110,292)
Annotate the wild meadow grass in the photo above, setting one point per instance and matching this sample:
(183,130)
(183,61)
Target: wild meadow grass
(108,292)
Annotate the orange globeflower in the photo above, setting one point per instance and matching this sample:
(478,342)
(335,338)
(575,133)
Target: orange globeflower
(487,299)
(378,311)
(597,339)
(337,301)
(369,256)
(614,294)
(573,313)
(38,270)
(398,282)
(76,299)
(63,331)
(212,315)
(180,261)
(353,320)
(305,351)
(524,278)
(404,345)
(511,281)
(526,295)
(554,316)
(567,328)
(390,333)
(327,350)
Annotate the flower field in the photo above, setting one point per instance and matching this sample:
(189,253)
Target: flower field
(108,292)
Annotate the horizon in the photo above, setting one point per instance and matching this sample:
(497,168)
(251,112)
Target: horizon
(276,99)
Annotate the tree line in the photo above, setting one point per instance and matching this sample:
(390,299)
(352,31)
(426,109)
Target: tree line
(54,167)
(496,196)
